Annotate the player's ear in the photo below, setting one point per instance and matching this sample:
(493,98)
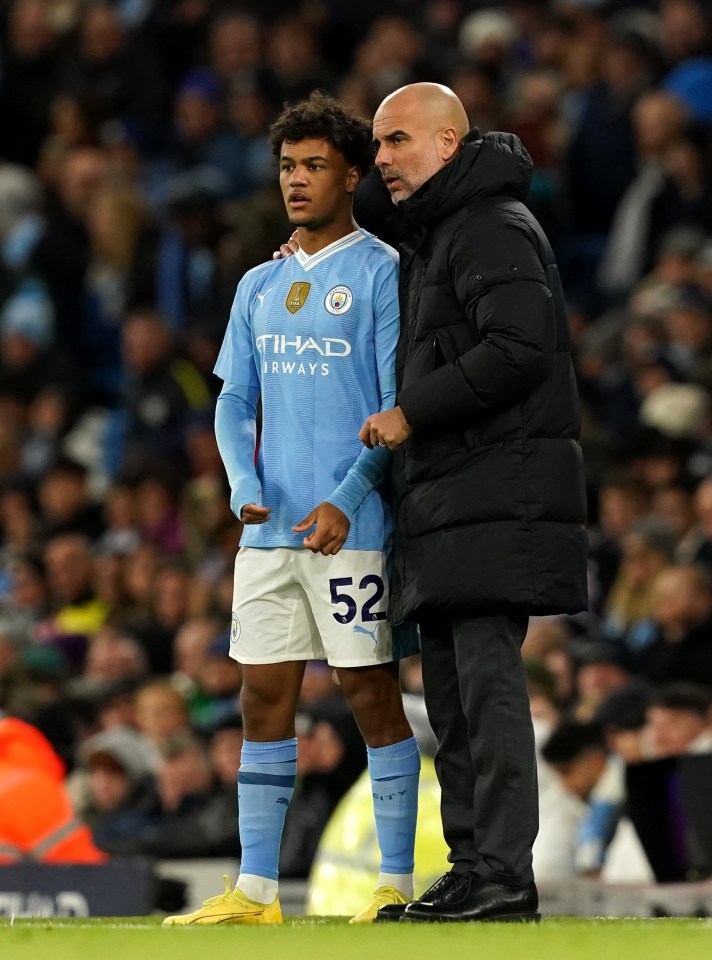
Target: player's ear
(353,175)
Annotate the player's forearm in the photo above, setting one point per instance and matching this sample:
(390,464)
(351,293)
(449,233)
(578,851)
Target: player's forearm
(365,475)
(387,387)
(236,435)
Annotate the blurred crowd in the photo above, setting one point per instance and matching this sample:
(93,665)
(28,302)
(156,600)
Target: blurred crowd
(136,188)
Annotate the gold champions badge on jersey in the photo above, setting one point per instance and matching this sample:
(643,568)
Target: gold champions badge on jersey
(297,296)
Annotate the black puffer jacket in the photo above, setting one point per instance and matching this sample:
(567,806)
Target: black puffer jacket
(489,490)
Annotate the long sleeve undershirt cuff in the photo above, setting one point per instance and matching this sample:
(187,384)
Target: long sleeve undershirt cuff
(236,435)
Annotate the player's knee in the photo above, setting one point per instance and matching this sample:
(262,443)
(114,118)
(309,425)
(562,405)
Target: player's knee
(258,702)
(376,704)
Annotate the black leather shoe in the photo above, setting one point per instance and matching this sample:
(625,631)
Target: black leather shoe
(392,912)
(478,899)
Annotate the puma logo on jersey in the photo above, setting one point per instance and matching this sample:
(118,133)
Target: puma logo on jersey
(261,296)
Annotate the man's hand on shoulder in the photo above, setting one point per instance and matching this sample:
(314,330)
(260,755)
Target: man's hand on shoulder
(332,529)
(388,429)
(287,249)
(251,513)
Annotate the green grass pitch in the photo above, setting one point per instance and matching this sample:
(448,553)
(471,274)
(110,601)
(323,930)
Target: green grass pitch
(313,938)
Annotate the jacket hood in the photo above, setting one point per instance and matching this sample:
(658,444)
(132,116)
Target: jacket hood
(136,756)
(494,165)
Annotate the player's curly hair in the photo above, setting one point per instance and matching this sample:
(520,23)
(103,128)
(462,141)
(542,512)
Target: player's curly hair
(325,118)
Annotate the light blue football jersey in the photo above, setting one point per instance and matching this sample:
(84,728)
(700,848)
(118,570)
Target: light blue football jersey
(315,338)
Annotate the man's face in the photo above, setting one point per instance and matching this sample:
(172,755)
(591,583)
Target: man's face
(408,152)
(160,713)
(672,731)
(62,494)
(580,776)
(69,568)
(596,680)
(196,116)
(629,744)
(144,343)
(317,182)
(675,603)
(80,180)
(108,786)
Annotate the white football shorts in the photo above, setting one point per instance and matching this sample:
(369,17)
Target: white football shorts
(292,604)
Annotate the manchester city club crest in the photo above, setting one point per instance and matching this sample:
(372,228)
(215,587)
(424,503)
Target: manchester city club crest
(236,630)
(297,296)
(338,300)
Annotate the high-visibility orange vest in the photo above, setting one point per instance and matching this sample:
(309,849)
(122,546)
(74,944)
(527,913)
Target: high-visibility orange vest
(23,745)
(36,817)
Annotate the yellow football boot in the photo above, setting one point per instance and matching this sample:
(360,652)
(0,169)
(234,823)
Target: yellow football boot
(381,897)
(233,906)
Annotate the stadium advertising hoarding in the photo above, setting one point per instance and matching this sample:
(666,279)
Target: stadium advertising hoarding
(43,890)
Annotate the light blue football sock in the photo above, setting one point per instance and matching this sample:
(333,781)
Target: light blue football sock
(265,784)
(395,771)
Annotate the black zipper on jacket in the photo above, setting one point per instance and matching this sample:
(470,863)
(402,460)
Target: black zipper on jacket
(413,303)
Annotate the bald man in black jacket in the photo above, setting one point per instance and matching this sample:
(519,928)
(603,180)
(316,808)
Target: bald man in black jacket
(488,479)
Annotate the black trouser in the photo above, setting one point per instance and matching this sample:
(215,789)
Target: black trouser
(477,703)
